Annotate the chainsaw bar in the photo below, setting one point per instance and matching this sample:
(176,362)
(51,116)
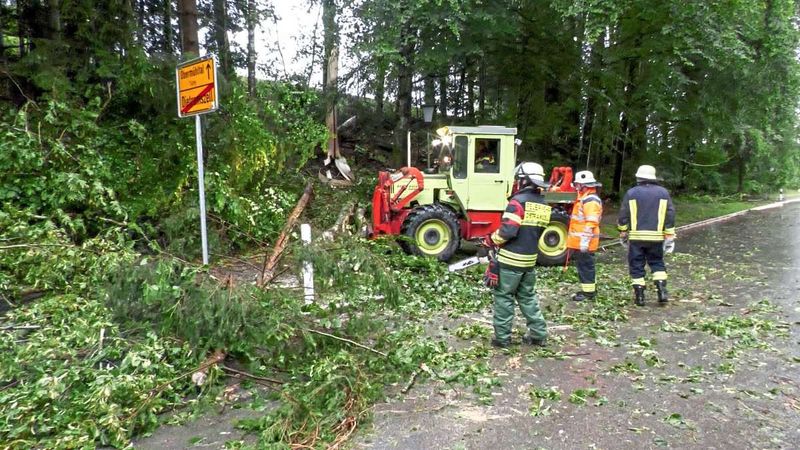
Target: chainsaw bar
(469,262)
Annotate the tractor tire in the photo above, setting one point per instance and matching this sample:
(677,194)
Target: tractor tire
(431,230)
(553,242)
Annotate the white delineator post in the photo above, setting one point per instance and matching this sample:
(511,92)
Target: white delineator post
(408,148)
(201,188)
(308,269)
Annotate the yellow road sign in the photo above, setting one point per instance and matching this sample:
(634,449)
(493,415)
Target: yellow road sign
(196,82)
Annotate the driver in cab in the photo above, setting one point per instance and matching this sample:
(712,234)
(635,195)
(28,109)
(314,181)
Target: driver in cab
(485,159)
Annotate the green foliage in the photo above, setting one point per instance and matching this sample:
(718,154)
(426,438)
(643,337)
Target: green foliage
(538,396)
(178,301)
(580,396)
(77,380)
(473,330)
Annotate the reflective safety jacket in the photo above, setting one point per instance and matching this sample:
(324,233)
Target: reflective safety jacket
(584,223)
(647,213)
(518,236)
(485,163)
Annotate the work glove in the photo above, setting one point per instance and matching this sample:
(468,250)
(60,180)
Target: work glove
(488,242)
(623,239)
(492,275)
(669,244)
(584,246)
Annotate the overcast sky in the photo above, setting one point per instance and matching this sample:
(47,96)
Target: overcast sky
(278,43)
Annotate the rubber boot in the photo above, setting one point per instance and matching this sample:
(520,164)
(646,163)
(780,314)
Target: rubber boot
(500,344)
(529,340)
(661,287)
(638,292)
(581,296)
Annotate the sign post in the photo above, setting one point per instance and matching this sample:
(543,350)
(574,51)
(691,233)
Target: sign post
(196,83)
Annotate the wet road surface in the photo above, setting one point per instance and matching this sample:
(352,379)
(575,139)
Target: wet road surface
(717,368)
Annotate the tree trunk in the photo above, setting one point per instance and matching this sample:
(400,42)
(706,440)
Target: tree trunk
(190,44)
(330,71)
(22,29)
(470,92)
(331,84)
(444,103)
(220,30)
(620,142)
(741,162)
(252,15)
(330,38)
(140,15)
(740,175)
(430,90)
(482,91)
(462,77)
(54,19)
(169,35)
(380,86)
(405,73)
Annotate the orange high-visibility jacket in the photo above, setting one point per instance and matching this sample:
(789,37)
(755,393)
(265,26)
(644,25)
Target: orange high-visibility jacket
(584,224)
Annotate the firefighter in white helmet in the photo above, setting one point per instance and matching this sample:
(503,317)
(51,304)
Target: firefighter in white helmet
(512,274)
(647,222)
(584,232)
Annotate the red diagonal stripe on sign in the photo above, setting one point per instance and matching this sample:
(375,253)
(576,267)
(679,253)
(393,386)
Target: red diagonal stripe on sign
(197,99)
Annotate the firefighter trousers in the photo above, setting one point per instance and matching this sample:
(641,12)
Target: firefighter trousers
(517,286)
(651,253)
(584,262)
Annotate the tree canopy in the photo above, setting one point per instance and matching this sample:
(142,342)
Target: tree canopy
(705,90)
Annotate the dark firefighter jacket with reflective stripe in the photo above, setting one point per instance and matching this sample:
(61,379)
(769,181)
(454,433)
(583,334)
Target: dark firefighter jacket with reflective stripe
(584,223)
(647,213)
(518,236)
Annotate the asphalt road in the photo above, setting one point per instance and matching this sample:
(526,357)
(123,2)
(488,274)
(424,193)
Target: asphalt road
(725,369)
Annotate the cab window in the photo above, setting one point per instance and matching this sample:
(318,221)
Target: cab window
(487,155)
(460,158)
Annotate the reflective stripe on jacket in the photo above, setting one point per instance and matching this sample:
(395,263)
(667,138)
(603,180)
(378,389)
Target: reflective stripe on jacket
(518,236)
(647,213)
(584,223)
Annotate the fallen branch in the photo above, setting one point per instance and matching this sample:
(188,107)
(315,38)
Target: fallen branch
(341,222)
(199,376)
(480,320)
(249,375)
(360,220)
(346,340)
(11,247)
(9,385)
(20,327)
(411,381)
(160,388)
(268,269)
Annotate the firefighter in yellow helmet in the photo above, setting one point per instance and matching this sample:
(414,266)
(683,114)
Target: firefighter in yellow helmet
(584,232)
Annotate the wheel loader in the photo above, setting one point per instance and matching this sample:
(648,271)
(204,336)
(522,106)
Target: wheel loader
(463,195)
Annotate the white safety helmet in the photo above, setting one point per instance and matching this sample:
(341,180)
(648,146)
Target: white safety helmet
(646,173)
(531,172)
(586,178)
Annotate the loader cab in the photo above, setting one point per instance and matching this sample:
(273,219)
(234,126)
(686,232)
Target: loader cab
(482,170)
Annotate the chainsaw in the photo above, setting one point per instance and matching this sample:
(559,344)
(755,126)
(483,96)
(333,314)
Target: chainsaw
(482,257)
(469,262)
